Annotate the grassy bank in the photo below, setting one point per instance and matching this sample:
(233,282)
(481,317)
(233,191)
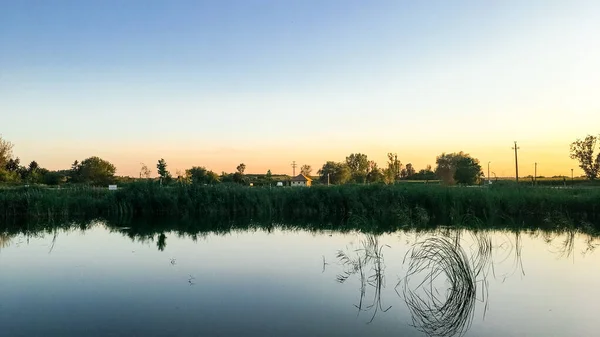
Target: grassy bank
(415,203)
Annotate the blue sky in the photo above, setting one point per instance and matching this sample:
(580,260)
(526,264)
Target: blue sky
(216,83)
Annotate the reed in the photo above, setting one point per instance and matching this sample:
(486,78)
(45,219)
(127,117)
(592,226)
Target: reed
(408,203)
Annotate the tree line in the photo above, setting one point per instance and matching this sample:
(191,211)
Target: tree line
(451,168)
(357,168)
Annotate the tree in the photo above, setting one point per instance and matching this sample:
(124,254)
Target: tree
(145,171)
(183,177)
(7,176)
(306,170)
(446,166)
(226,177)
(358,164)
(337,173)
(212,178)
(200,175)
(161,243)
(458,168)
(426,174)
(73,176)
(394,166)
(54,178)
(239,178)
(241,168)
(163,174)
(583,151)
(410,170)
(33,166)
(269,176)
(375,174)
(96,171)
(6,148)
(33,173)
(389,175)
(12,165)
(468,171)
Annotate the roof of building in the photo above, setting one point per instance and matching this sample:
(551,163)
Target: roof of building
(301,177)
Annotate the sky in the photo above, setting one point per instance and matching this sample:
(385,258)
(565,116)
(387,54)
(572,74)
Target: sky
(218,83)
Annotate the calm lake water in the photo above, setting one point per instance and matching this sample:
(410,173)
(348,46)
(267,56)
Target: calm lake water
(101,282)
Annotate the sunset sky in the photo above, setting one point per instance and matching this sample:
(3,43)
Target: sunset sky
(217,83)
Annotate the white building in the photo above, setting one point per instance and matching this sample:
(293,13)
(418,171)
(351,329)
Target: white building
(300,180)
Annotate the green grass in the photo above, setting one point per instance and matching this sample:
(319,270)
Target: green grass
(547,182)
(411,203)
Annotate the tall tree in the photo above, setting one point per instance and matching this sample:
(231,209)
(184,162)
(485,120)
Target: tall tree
(6,148)
(583,152)
(73,176)
(97,171)
(394,166)
(161,243)
(163,173)
(269,176)
(358,164)
(446,166)
(33,166)
(306,170)
(410,170)
(241,168)
(468,170)
(337,173)
(375,174)
(33,173)
(145,171)
(458,168)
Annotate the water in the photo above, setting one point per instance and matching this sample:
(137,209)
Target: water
(260,282)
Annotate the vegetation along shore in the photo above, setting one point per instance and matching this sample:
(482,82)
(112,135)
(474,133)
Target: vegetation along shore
(455,189)
(412,203)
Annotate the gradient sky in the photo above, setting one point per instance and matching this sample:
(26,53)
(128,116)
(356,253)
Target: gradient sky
(216,83)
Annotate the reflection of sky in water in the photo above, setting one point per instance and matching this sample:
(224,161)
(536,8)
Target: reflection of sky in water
(98,283)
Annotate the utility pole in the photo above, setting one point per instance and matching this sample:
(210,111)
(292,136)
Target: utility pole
(572,177)
(294,167)
(489,172)
(397,168)
(516,161)
(535,174)
(327,179)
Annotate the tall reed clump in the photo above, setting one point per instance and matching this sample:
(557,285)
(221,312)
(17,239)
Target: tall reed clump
(410,203)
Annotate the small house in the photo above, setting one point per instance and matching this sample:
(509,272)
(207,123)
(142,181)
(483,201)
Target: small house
(300,180)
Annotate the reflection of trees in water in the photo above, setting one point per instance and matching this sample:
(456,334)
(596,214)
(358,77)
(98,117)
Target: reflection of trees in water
(4,240)
(563,243)
(370,267)
(563,237)
(444,308)
(161,243)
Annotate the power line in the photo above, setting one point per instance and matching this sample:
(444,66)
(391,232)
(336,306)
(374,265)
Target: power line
(516,161)
(294,167)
